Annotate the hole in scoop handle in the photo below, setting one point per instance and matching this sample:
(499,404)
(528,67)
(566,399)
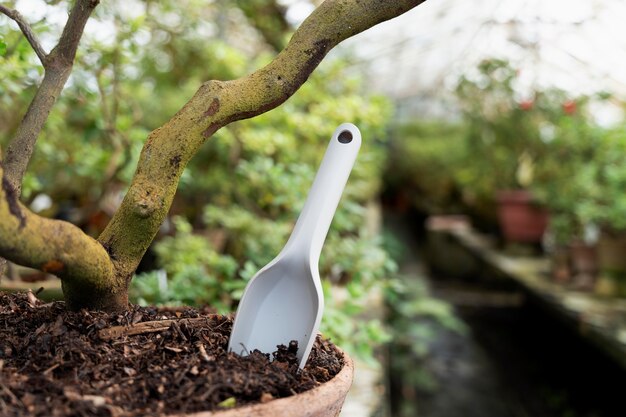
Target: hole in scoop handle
(312,226)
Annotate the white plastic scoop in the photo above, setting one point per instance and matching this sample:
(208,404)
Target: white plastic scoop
(284,300)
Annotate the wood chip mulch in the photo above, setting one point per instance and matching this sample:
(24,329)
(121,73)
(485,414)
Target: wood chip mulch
(59,363)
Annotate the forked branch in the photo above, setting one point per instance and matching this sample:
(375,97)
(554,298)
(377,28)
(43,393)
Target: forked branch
(28,32)
(58,66)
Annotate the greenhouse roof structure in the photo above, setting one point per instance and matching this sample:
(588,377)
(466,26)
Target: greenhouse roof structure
(575,45)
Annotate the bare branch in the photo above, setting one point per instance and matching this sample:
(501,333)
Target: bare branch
(216,104)
(65,50)
(58,66)
(27,31)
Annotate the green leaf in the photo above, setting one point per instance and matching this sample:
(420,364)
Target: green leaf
(3,47)
(228,403)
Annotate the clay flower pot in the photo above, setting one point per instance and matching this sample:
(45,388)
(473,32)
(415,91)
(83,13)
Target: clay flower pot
(560,265)
(612,264)
(584,265)
(323,401)
(173,363)
(521,221)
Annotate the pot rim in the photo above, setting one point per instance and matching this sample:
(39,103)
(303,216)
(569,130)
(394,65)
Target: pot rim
(335,390)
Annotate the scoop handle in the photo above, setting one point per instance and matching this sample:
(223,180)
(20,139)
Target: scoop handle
(317,214)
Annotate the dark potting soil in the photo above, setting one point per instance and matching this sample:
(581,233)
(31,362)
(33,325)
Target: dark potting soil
(59,363)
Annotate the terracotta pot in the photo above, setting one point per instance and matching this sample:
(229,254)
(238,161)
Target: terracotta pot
(521,221)
(560,265)
(612,264)
(612,253)
(323,401)
(584,265)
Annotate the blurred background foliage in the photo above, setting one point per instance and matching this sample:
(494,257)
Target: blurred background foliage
(546,141)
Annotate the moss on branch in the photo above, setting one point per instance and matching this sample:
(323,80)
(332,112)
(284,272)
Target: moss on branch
(58,67)
(218,103)
(96,274)
(59,248)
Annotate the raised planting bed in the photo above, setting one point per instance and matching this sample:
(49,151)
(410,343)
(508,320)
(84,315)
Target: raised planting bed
(149,362)
(600,320)
(48,290)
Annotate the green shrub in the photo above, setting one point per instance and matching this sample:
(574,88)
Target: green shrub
(426,159)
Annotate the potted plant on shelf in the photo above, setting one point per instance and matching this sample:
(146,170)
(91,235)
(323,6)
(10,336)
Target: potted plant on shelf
(607,206)
(116,377)
(574,252)
(503,137)
(581,181)
(565,182)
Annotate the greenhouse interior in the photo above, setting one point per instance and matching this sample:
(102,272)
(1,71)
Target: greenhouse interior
(314,208)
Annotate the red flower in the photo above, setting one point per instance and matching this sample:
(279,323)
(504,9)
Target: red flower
(526,105)
(569,107)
